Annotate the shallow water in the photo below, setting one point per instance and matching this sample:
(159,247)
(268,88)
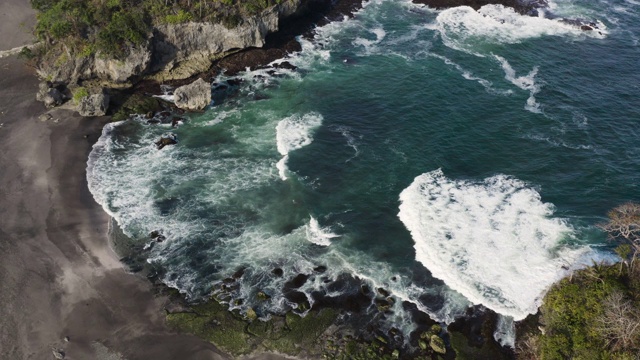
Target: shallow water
(454,157)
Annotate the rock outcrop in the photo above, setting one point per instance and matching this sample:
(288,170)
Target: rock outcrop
(173,51)
(167,139)
(123,71)
(195,96)
(182,50)
(49,95)
(94,105)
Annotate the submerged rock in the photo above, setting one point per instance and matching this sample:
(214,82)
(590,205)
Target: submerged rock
(195,96)
(263,296)
(277,272)
(165,140)
(383,292)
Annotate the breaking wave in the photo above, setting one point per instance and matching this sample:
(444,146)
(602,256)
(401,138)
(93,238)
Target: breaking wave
(465,29)
(294,133)
(457,225)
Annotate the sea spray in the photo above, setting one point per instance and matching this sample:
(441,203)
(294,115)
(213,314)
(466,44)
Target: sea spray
(319,235)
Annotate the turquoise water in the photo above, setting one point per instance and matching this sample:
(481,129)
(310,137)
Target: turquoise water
(453,157)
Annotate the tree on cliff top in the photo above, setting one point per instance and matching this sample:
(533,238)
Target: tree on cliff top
(624,226)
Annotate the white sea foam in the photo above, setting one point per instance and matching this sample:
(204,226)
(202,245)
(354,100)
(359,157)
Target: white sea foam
(352,139)
(292,133)
(527,83)
(469,76)
(463,28)
(557,143)
(369,45)
(458,225)
(505,332)
(319,235)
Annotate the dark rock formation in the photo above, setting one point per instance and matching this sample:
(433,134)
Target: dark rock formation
(165,140)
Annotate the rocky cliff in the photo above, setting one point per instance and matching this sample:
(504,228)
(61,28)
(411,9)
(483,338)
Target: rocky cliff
(173,51)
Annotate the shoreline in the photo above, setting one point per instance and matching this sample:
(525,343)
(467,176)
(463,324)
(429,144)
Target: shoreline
(54,251)
(63,289)
(59,276)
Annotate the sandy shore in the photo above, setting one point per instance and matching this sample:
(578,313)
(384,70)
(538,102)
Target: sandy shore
(17,18)
(58,276)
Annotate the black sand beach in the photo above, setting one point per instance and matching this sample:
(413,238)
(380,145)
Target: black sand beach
(58,276)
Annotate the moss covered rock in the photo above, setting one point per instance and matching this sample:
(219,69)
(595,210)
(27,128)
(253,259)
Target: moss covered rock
(137,104)
(437,344)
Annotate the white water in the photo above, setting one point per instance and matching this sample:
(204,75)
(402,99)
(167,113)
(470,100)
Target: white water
(527,83)
(319,235)
(458,225)
(293,133)
(465,29)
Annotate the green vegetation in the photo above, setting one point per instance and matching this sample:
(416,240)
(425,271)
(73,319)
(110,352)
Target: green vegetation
(79,94)
(111,27)
(26,53)
(242,333)
(594,314)
(136,104)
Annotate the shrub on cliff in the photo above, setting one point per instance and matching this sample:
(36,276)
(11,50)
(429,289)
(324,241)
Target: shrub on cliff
(593,314)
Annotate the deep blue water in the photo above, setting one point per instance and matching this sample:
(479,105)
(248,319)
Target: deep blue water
(457,154)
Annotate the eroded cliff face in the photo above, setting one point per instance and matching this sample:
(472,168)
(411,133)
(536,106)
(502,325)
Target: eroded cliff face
(173,51)
(183,50)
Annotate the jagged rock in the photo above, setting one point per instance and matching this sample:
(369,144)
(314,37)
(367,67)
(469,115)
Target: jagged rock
(94,105)
(122,71)
(182,50)
(194,96)
(170,139)
(437,344)
(50,96)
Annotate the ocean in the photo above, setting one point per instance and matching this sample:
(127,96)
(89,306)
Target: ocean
(452,157)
